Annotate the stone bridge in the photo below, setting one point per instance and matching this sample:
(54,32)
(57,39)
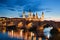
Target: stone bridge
(29,25)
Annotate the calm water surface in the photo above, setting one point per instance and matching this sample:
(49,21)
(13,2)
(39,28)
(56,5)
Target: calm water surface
(11,35)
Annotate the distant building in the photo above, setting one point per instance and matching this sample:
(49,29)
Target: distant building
(32,16)
(42,17)
(3,18)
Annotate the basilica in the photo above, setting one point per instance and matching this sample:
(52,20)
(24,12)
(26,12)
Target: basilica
(32,16)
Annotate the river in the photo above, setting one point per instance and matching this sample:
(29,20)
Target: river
(11,35)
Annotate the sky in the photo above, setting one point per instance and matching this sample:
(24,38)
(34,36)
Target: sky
(14,8)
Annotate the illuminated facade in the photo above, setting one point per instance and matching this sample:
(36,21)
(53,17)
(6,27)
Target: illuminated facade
(32,16)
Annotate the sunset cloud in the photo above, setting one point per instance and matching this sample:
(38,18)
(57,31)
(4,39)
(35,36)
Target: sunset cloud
(53,19)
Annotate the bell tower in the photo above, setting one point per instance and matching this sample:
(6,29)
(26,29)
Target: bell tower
(36,16)
(29,14)
(23,14)
(42,17)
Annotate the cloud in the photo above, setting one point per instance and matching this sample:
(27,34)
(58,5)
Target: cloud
(53,18)
(25,16)
(34,5)
(11,9)
(48,11)
(17,6)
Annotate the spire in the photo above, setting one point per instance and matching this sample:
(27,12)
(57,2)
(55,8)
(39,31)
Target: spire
(42,17)
(29,14)
(33,15)
(36,15)
(43,14)
(23,14)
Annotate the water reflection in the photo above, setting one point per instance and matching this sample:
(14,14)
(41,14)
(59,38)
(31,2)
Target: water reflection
(15,35)
(47,31)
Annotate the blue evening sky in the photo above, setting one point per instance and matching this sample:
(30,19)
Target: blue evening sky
(14,8)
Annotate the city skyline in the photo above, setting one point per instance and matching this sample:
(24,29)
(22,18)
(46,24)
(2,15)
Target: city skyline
(14,8)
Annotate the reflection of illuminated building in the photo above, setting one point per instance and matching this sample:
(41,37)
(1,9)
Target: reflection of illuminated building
(20,34)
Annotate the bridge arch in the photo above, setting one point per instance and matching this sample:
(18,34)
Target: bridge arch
(48,25)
